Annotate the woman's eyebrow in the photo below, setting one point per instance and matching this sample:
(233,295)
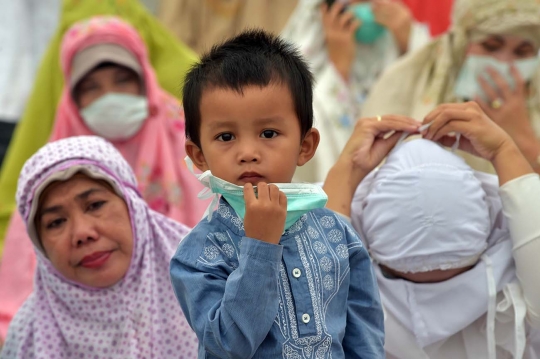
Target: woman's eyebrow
(81,196)
(47,210)
(84,195)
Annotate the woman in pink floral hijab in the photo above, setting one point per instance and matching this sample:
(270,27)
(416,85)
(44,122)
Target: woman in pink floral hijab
(108,78)
(102,286)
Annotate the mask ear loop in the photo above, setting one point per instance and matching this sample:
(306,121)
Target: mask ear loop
(205,193)
(404,135)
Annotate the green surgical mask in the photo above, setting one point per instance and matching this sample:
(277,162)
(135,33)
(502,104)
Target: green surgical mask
(370,30)
(301,197)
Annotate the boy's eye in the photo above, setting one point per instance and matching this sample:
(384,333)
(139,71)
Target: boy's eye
(55,223)
(225,137)
(94,206)
(269,134)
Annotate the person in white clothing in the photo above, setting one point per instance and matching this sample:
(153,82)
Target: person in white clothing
(26,27)
(455,251)
(347,44)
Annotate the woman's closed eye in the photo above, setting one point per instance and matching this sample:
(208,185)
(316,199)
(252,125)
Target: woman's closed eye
(225,137)
(269,134)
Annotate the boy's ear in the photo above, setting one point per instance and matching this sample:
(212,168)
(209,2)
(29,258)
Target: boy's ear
(196,155)
(309,146)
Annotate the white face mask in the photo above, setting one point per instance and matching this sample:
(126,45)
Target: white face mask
(116,116)
(467,86)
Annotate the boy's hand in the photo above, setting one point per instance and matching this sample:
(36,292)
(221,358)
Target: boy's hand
(265,215)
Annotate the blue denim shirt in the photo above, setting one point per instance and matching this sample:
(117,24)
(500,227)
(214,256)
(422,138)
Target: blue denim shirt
(312,296)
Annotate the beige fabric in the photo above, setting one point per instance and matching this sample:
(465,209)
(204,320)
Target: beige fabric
(417,83)
(203,23)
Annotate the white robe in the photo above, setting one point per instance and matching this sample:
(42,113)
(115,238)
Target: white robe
(517,305)
(338,103)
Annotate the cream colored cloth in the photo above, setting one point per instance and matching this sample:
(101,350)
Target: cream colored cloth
(517,316)
(338,103)
(417,83)
(203,23)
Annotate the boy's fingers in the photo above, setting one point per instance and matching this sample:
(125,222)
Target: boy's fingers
(282,200)
(274,193)
(249,193)
(262,191)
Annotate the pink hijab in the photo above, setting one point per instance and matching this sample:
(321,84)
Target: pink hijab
(156,155)
(138,317)
(164,180)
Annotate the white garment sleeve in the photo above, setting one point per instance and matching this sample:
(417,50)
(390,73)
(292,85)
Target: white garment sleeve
(419,36)
(521,199)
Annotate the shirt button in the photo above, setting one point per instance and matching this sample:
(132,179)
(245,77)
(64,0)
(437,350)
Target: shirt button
(296,273)
(306,318)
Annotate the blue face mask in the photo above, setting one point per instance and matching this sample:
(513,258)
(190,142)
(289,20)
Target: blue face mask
(370,30)
(301,197)
(467,86)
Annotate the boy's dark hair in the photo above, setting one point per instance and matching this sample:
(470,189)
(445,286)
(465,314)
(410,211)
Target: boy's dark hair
(252,58)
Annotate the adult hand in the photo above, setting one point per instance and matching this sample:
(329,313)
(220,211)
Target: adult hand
(339,27)
(392,14)
(373,138)
(507,107)
(480,136)
(265,213)
(369,144)
(396,17)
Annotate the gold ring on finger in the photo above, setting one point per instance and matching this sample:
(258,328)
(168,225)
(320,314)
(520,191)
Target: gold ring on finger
(496,104)
(379,118)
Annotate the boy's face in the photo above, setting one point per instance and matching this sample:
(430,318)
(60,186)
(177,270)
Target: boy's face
(251,137)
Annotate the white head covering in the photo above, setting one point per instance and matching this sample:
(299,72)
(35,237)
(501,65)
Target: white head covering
(421,195)
(425,209)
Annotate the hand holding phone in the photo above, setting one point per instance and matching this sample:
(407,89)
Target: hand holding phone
(339,28)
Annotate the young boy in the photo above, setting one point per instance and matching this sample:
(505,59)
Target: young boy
(272,274)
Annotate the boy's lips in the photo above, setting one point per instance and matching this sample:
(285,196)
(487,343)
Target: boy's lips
(95,260)
(251,177)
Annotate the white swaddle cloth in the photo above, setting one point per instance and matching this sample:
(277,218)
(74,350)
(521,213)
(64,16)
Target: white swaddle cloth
(426,209)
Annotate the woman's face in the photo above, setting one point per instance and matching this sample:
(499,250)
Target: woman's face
(506,48)
(102,80)
(85,229)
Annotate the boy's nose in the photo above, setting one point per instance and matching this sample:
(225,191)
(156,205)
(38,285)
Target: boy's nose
(249,153)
